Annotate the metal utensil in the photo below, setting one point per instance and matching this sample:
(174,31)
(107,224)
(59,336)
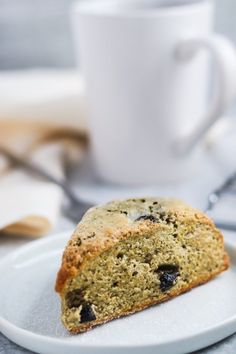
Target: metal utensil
(215,196)
(76,208)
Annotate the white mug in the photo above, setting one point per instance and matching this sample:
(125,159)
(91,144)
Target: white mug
(146,65)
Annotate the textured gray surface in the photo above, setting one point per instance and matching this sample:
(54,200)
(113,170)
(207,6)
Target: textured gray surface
(227,346)
(7,347)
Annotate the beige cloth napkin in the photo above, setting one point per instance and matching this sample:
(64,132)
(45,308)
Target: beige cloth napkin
(51,132)
(31,206)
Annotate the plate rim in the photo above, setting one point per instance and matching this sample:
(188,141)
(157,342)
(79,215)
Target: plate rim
(228,325)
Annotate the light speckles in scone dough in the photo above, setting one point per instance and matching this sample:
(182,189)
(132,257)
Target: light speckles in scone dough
(160,247)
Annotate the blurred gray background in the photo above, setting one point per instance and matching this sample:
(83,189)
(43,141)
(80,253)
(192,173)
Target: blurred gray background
(37,33)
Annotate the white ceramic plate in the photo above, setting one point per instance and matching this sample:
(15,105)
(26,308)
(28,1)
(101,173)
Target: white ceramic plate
(30,311)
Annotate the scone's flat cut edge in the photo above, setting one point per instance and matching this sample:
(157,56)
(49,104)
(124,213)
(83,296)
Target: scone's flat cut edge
(103,228)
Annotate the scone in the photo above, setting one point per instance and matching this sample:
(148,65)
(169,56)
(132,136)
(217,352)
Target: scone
(130,254)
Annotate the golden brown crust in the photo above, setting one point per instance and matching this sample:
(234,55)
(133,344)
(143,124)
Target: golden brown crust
(112,225)
(142,306)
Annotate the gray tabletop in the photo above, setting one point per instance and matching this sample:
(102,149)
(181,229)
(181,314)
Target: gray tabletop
(227,346)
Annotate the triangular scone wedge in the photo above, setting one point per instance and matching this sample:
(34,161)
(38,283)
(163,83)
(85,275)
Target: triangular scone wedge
(130,254)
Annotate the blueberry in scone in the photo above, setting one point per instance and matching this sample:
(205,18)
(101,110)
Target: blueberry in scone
(130,254)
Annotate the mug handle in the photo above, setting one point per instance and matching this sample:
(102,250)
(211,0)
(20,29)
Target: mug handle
(224,55)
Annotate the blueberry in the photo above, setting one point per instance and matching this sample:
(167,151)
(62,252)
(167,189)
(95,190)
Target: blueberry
(87,314)
(147,217)
(167,280)
(168,275)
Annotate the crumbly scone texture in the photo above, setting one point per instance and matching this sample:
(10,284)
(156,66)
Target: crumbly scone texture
(130,254)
